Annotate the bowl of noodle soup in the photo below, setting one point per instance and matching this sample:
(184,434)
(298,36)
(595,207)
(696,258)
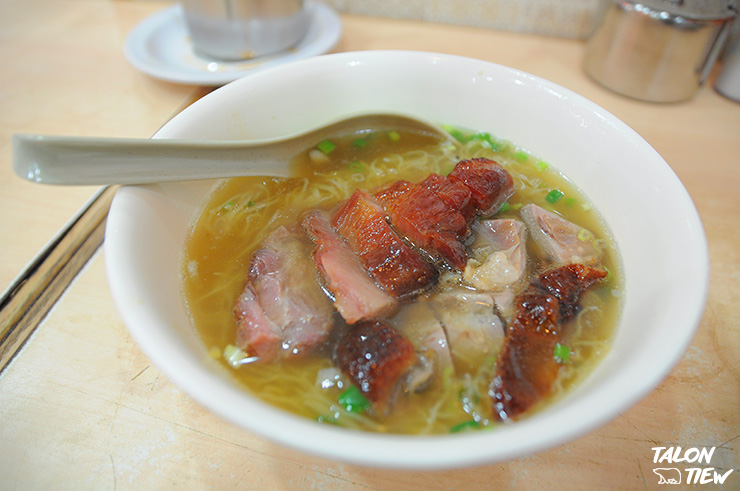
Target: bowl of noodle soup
(657,241)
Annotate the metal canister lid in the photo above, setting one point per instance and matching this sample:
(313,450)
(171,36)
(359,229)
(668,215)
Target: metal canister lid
(694,9)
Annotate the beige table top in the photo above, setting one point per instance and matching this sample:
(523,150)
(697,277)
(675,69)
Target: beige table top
(81,407)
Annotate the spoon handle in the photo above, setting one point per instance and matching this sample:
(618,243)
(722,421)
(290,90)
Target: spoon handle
(97,161)
(80,160)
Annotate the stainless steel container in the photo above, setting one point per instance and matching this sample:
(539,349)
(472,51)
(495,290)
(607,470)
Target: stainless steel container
(658,50)
(244,29)
(727,82)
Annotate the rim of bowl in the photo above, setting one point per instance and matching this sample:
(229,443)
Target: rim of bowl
(547,429)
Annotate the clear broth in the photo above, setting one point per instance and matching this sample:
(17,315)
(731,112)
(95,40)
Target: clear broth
(242,211)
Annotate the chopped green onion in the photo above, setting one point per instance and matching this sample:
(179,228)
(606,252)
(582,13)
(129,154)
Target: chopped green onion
(562,353)
(600,244)
(326,146)
(394,136)
(516,206)
(570,201)
(251,203)
(585,235)
(455,133)
(554,196)
(356,166)
(506,206)
(486,137)
(465,426)
(353,400)
(359,143)
(521,156)
(482,135)
(496,146)
(541,165)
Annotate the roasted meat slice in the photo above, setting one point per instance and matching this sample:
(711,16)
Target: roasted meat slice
(489,183)
(356,295)
(527,367)
(505,305)
(255,332)
(377,359)
(282,310)
(393,191)
(564,242)
(453,192)
(418,323)
(474,331)
(426,220)
(394,265)
(567,284)
(498,255)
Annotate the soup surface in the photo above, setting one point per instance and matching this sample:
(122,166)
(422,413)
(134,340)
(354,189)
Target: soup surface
(241,212)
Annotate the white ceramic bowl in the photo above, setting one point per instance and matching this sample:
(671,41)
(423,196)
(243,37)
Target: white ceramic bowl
(656,226)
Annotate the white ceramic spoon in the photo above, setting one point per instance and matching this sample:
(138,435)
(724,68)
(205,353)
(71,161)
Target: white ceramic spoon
(99,161)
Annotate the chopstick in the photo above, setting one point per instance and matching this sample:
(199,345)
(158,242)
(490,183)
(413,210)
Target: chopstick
(30,298)
(32,295)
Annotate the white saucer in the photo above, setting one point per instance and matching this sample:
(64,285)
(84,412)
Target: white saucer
(160,46)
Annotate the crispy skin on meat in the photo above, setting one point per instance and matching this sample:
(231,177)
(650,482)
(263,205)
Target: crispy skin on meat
(356,296)
(490,184)
(426,220)
(397,268)
(527,368)
(393,191)
(376,358)
(567,284)
(454,192)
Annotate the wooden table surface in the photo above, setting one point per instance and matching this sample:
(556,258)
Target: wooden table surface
(82,408)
